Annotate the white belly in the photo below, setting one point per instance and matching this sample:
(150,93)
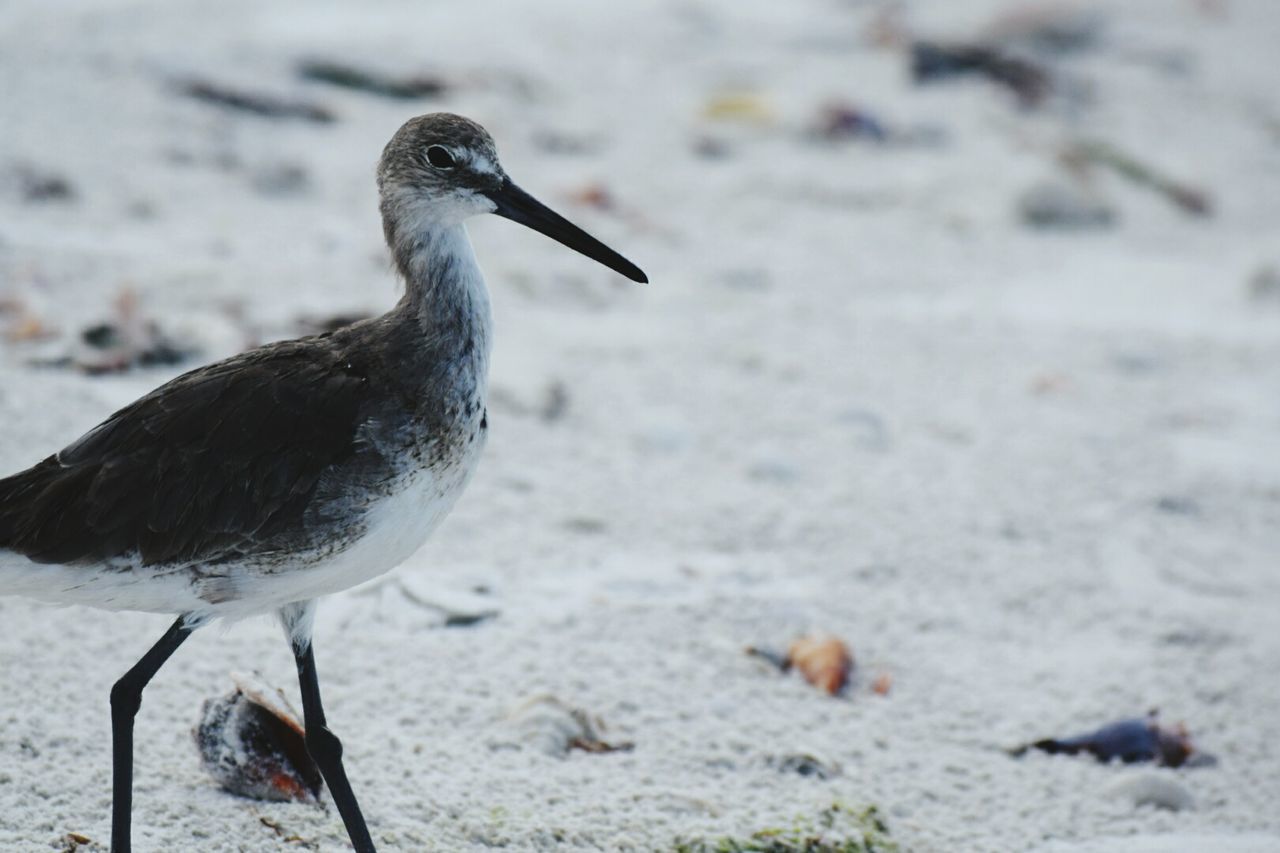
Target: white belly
(395,527)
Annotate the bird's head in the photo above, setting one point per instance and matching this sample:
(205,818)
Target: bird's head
(440,169)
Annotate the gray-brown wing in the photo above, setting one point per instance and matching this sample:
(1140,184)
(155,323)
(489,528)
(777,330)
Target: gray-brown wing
(200,468)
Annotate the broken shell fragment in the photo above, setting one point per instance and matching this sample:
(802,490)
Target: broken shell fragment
(254,745)
(883,684)
(1134,740)
(825,662)
(555,727)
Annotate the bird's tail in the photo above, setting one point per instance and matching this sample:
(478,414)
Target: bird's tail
(18,574)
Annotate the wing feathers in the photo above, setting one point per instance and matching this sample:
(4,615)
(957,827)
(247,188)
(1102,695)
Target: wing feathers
(197,469)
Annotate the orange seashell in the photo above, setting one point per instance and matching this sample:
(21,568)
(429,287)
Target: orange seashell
(825,662)
(254,745)
(883,684)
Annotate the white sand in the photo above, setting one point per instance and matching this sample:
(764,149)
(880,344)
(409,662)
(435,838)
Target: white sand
(823,413)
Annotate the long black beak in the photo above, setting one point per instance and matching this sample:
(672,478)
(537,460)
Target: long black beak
(517,205)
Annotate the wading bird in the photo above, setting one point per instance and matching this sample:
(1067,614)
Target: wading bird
(294,470)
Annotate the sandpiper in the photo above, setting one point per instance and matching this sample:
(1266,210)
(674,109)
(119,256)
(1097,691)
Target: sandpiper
(295,470)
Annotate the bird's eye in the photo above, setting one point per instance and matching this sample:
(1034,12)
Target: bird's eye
(439,156)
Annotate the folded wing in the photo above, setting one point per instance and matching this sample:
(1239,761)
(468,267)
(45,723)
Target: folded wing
(199,469)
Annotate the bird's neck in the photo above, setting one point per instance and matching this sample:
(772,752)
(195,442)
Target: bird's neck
(445,293)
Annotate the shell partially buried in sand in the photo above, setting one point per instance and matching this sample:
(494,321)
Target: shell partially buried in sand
(253,743)
(825,662)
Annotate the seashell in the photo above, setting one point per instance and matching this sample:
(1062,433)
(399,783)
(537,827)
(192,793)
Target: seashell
(883,684)
(1152,789)
(554,727)
(254,744)
(825,662)
(1133,740)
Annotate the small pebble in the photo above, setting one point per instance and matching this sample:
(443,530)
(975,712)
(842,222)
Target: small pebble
(711,148)
(1053,205)
(1178,505)
(38,185)
(868,429)
(746,279)
(1264,284)
(566,144)
(773,471)
(803,764)
(280,179)
(1152,789)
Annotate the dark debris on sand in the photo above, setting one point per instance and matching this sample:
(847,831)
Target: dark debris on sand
(254,103)
(932,62)
(1131,741)
(409,87)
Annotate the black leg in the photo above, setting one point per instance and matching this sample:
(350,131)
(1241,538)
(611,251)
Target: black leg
(326,750)
(126,697)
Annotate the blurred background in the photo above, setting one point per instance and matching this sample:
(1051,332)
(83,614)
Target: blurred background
(962,345)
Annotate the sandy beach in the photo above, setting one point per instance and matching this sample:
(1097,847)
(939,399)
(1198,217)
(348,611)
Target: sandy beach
(985,382)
